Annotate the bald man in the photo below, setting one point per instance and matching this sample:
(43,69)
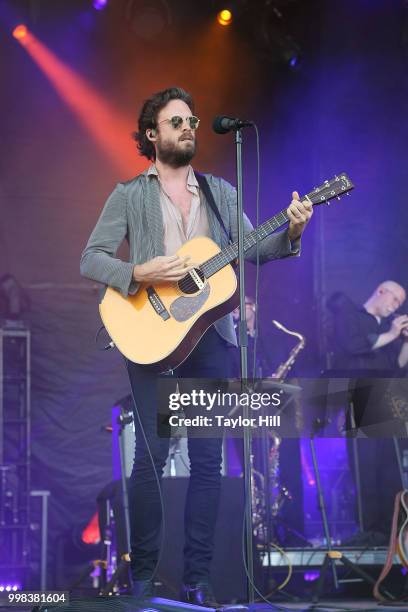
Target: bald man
(369,343)
(364,338)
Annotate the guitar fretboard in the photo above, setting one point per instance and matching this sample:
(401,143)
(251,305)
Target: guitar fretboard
(227,255)
(329,190)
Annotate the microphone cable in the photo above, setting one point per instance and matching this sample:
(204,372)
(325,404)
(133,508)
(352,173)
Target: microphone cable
(256,297)
(262,597)
(110,345)
(254,375)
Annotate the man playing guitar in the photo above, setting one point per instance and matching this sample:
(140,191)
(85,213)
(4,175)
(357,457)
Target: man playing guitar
(157,212)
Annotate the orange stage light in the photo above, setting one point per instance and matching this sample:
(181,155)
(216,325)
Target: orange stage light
(224,17)
(110,130)
(20,32)
(91,533)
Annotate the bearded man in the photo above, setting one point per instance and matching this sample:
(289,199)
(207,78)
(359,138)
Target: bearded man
(157,212)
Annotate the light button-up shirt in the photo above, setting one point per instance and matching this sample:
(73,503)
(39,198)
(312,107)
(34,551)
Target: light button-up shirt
(175,233)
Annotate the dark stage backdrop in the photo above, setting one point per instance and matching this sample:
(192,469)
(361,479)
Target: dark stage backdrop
(345,110)
(74,387)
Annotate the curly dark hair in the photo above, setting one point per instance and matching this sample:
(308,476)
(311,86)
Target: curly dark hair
(148,116)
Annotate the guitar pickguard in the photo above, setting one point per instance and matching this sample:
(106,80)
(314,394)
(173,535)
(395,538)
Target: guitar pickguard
(184,307)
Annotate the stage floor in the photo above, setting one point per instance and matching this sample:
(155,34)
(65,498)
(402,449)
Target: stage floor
(130,604)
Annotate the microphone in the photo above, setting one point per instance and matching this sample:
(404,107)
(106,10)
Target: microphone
(223,125)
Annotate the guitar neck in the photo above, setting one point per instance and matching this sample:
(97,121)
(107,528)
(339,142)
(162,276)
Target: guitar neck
(230,253)
(329,190)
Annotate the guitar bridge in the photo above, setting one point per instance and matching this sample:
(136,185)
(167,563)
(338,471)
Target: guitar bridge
(196,278)
(157,304)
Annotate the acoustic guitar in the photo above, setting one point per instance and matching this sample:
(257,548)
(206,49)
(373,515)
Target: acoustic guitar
(160,325)
(398,545)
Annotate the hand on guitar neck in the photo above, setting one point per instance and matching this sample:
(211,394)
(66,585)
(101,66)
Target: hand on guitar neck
(299,213)
(163,269)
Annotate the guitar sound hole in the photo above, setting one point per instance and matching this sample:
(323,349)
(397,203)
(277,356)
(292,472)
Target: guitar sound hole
(193,282)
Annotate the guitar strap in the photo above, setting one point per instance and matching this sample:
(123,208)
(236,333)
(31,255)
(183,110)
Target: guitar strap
(392,548)
(205,188)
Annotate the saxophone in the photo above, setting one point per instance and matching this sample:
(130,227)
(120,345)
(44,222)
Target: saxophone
(278,494)
(283,370)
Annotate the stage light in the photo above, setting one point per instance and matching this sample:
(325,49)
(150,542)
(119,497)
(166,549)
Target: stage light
(91,533)
(293,62)
(109,128)
(311,576)
(10,587)
(224,17)
(20,32)
(99,5)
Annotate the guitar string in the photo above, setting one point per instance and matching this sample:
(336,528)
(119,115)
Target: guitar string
(220,260)
(265,229)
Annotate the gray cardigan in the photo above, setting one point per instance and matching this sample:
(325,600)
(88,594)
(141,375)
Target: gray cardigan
(133,211)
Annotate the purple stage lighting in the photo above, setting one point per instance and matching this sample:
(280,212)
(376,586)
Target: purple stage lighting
(99,5)
(9,587)
(293,62)
(311,576)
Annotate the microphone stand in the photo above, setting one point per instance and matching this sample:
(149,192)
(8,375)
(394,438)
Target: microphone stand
(243,344)
(236,126)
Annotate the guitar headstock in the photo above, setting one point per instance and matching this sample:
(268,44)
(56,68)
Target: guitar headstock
(329,190)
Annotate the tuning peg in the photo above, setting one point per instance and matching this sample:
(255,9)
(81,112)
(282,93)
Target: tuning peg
(338,197)
(348,193)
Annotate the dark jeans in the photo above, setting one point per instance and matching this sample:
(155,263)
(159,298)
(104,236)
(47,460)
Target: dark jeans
(211,358)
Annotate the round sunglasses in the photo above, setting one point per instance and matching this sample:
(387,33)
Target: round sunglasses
(177,121)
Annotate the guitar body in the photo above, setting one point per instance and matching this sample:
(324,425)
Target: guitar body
(402,542)
(161,324)
(398,544)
